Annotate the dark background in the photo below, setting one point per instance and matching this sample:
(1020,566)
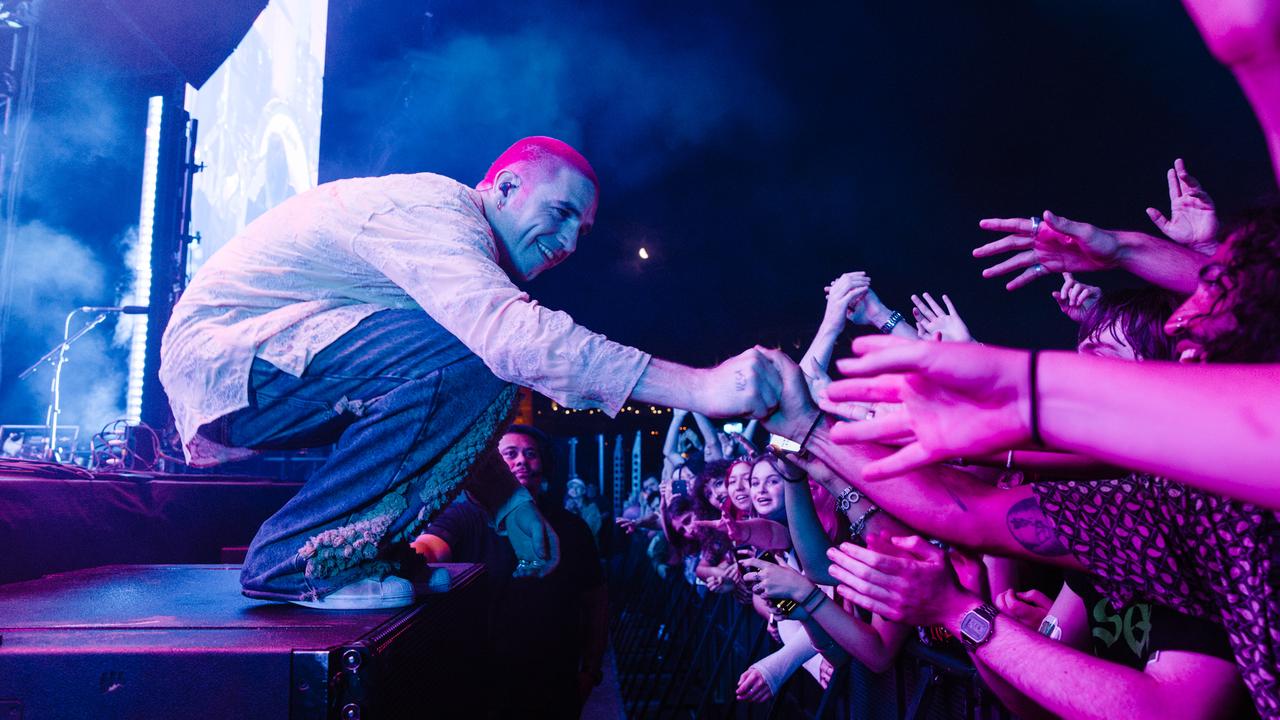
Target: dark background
(757,150)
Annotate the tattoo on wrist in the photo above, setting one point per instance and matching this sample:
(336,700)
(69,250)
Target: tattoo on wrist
(739,381)
(1029,526)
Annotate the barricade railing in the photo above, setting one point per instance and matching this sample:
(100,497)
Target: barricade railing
(680,651)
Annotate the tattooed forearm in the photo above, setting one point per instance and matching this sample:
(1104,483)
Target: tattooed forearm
(1028,525)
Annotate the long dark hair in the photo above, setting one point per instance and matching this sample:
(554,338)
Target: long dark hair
(1250,282)
(711,544)
(702,484)
(1139,315)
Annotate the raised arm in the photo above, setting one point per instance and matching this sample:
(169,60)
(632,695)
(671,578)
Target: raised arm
(710,438)
(670,450)
(807,536)
(841,293)
(1245,36)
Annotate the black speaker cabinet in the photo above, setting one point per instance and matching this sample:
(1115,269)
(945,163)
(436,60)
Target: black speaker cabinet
(180,641)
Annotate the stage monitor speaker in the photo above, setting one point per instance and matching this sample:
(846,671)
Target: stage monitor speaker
(180,641)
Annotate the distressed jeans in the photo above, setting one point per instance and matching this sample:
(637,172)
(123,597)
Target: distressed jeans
(410,409)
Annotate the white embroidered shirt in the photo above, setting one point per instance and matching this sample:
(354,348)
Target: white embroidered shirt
(309,270)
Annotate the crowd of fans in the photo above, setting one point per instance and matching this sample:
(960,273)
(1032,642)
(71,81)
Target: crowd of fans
(1095,531)
(845,568)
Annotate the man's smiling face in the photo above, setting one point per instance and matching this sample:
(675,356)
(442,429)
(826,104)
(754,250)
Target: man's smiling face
(543,216)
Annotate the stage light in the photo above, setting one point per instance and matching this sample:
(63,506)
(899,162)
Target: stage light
(142,260)
(644,254)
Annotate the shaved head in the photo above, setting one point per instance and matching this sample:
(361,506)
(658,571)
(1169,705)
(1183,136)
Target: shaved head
(544,153)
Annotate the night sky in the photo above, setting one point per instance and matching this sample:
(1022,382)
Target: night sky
(756,150)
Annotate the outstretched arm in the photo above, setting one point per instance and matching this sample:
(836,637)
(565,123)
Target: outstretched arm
(1245,36)
(1059,245)
(966,399)
(742,385)
(918,586)
(941,501)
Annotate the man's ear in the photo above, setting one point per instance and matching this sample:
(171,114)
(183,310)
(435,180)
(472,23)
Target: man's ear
(507,183)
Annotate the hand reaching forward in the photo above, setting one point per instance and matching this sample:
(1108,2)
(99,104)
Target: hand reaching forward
(932,320)
(746,384)
(958,399)
(1075,298)
(1052,246)
(1192,220)
(902,579)
(536,545)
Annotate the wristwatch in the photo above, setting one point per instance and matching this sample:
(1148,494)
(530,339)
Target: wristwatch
(894,318)
(977,626)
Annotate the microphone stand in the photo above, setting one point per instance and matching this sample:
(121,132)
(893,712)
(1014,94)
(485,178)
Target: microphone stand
(58,356)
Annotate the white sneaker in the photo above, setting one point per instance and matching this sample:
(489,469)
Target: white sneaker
(367,594)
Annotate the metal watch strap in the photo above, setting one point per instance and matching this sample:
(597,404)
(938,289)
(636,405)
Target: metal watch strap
(891,323)
(986,611)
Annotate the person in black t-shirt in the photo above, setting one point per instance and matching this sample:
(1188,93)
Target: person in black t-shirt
(546,636)
(1180,658)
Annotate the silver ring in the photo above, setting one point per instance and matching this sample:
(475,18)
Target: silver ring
(1035,226)
(1038,269)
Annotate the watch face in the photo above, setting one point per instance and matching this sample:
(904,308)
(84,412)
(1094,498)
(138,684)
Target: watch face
(975,627)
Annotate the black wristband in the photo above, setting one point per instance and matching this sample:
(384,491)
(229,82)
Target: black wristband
(1033,365)
(809,598)
(812,427)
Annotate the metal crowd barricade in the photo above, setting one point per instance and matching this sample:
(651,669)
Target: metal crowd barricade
(680,651)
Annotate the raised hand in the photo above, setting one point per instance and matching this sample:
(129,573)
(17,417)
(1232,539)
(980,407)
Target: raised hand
(1075,298)
(841,293)
(1052,246)
(958,399)
(932,320)
(1192,220)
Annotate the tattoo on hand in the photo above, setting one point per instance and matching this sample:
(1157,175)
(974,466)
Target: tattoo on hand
(1029,526)
(739,381)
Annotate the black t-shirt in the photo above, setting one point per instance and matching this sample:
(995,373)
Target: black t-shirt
(1131,635)
(536,626)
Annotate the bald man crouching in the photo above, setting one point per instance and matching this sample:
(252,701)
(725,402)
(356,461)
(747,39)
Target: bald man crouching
(380,314)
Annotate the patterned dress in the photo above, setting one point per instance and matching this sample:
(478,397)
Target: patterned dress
(1150,538)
